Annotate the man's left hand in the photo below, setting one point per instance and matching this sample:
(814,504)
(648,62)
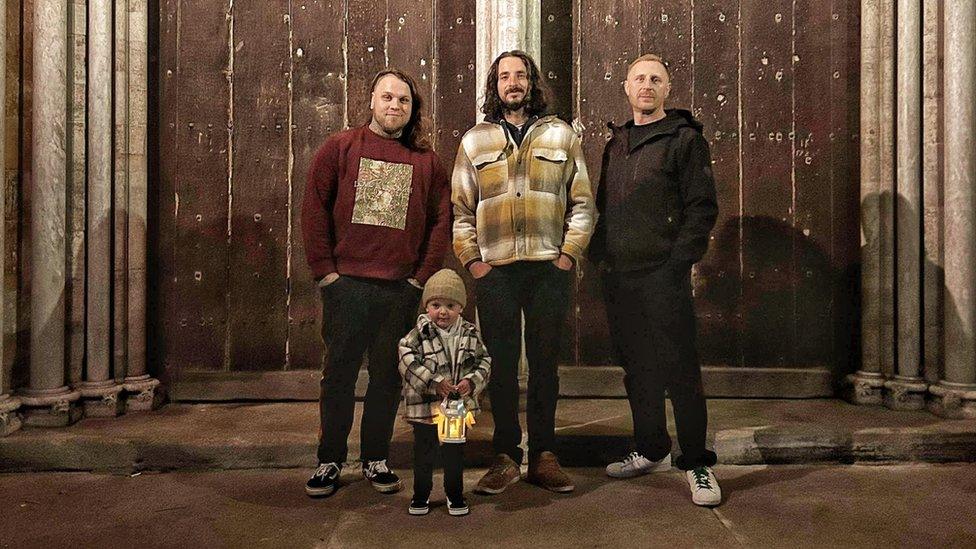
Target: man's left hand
(563,262)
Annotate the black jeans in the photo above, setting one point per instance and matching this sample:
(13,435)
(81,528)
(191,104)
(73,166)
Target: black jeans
(425,445)
(360,315)
(541,291)
(652,324)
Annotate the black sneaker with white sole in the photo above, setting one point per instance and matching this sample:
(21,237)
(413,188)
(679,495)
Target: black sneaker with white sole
(324,481)
(457,508)
(381,477)
(419,506)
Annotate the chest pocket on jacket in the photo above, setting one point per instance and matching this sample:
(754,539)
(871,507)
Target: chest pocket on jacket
(547,170)
(492,168)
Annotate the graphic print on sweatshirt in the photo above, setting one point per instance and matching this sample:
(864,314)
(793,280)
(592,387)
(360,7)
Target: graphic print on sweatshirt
(382,193)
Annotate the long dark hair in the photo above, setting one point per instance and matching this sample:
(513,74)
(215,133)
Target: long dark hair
(414,134)
(494,107)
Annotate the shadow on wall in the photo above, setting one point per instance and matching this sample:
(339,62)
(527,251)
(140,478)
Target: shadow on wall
(790,308)
(932,325)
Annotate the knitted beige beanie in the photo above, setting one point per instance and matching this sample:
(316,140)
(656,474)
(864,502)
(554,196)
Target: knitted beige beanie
(445,284)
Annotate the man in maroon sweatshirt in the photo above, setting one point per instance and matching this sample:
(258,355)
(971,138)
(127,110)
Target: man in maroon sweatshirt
(376,221)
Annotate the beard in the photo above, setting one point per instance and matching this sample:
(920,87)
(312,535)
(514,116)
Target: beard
(391,127)
(517,104)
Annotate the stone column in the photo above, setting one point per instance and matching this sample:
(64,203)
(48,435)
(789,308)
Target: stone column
(140,386)
(100,391)
(955,395)
(9,419)
(906,390)
(48,401)
(932,190)
(865,386)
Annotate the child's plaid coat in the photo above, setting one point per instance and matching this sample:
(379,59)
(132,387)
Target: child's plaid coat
(424,363)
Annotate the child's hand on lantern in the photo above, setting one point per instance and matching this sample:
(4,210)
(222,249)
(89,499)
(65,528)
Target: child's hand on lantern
(464,388)
(444,388)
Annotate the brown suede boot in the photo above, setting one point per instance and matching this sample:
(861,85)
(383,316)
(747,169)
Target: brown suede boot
(503,473)
(544,471)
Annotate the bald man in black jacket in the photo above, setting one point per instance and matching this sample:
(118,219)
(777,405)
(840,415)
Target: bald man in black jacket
(656,203)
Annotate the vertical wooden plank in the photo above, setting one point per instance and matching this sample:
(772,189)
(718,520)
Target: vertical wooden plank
(717,280)
(203,132)
(164,324)
(365,55)
(410,44)
(318,110)
(257,275)
(845,176)
(767,180)
(556,59)
(606,41)
(77,191)
(814,276)
(666,29)
(455,87)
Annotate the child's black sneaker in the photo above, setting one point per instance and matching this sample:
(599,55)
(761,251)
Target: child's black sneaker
(419,506)
(324,481)
(381,477)
(457,508)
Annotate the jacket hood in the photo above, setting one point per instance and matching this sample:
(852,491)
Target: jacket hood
(672,121)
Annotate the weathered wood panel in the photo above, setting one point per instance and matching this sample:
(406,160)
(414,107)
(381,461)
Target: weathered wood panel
(755,81)
(318,108)
(365,55)
(455,86)
(203,131)
(666,29)
(768,284)
(845,176)
(718,280)
(556,57)
(608,39)
(812,112)
(257,324)
(410,46)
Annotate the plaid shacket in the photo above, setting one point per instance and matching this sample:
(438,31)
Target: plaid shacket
(424,363)
(521,203)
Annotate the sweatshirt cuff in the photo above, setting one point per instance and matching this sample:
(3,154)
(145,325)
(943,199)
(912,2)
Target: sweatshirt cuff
(573,251)
(469,255)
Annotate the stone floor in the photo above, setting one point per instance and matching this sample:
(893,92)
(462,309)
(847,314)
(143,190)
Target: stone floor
(920,505)
(590,433)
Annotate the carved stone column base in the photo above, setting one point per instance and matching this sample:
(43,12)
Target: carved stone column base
(9,418)
(953,400)
(101,398)
(905,393)
(141,394)
(864,388)
(50,408)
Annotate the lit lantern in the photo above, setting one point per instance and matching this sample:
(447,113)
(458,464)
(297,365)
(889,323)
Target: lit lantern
(452,420)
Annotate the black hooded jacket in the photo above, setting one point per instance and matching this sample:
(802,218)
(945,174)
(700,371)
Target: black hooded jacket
(656,200)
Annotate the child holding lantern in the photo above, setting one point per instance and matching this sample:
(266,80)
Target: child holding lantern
(445,366)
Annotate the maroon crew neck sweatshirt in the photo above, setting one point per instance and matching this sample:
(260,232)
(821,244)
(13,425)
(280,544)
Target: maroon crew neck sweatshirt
(375,208)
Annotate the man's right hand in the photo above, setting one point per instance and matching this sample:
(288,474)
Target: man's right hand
(479,269)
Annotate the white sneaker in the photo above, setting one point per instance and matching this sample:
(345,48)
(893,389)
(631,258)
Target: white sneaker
(704,487)
(635,465)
